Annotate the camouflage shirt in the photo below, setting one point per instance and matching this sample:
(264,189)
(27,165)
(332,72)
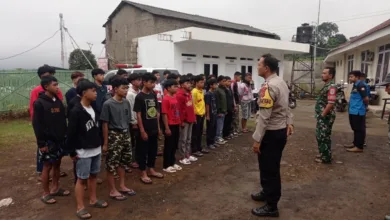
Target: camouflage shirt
(327,96)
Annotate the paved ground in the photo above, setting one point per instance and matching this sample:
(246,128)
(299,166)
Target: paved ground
(219,185)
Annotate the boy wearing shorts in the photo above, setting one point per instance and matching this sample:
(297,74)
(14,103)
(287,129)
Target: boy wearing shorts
(116,119)
(84,145)
(49,123)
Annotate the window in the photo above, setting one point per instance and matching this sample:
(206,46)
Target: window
(350,63)
(188,55)
(383,63)
(365,61)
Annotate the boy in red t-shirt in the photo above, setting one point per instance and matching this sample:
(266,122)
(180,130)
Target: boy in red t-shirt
(171,119)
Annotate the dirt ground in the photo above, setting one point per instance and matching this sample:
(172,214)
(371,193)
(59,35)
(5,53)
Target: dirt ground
(218,186)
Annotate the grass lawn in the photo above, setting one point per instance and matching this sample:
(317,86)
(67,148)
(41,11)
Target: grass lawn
(17,133)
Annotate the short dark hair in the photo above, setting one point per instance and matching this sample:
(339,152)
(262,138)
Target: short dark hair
(212,76)
(198,78)
(210,82)
(134,76)
(97,72)
(356,73)
(363,75)
(121,72)
(332,71)
(173,76)
(228,78)
(220,78)
(119,81)
(169,83)
(83,85)
(154,72)
(166,72)
(237,74)
(113,78)
(271,62)
(149,77)
(47,80)
(76,75)
(184,79)
(45,69)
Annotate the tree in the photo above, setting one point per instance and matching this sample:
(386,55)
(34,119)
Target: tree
(78,62)
(336,41)
(326,30)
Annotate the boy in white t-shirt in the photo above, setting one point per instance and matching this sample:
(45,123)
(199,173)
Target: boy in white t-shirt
(84,145)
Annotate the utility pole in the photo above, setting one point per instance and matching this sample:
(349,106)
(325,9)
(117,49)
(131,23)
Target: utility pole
(90,45)
(315,41)
(126,61)
(63,56)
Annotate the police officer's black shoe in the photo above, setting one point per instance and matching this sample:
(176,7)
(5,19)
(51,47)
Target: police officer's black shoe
(259,197)
(266,211)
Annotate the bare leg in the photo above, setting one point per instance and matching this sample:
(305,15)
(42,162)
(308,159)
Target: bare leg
(79,193)
(111,184)
(92,189)
(56,176)
(243,124)
(45,178)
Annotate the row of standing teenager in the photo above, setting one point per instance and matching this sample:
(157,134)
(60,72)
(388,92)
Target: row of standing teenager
(98,119)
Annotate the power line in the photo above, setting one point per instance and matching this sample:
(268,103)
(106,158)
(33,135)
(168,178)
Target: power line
(5,58)
(342,20)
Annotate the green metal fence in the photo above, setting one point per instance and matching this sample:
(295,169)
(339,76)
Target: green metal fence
(16,86)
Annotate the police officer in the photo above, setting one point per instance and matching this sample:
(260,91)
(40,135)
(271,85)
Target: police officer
(357,112)
(274,124)
(325,115)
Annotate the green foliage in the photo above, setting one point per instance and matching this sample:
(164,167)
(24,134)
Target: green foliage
(78,62)
(329,38)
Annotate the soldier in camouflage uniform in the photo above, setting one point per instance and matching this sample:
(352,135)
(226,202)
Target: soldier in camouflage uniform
(325,115)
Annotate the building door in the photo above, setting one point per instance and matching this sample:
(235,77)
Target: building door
(230,70)
(189,67)
(210,69)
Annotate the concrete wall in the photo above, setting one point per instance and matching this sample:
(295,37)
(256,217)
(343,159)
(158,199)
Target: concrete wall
(130,23)
(155,53)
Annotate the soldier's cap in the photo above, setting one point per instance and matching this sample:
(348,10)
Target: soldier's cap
(385,82)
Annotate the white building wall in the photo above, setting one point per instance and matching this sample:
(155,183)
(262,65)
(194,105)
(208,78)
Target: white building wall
(155,53)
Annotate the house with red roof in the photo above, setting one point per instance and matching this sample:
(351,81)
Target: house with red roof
(368,52)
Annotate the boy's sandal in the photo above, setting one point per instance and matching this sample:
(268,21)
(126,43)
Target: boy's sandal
(129,193)
(47,198)
(63,174)
(99,204)
(61,192)
(119,198)
(157,175)
(83,214)
(146,180)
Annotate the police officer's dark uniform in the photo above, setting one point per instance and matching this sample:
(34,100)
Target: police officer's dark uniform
(273,119)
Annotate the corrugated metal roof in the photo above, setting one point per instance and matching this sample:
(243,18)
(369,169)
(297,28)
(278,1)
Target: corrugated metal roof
(365,34)
(190,17)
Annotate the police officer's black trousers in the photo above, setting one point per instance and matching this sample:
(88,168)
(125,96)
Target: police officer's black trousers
(358,125)
(271,149)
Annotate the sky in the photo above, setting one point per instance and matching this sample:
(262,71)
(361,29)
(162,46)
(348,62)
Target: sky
(26,23)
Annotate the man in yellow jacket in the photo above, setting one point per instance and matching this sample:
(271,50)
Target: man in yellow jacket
(200,110)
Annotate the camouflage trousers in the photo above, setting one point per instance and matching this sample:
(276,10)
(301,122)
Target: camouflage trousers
(119,151)
(323,134)
(236,120)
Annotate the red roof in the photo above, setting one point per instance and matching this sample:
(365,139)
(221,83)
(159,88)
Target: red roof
(365,34)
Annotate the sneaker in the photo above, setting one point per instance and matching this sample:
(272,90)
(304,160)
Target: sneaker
(170,170)
(220,141)
(211,147)
(192,159)
(185,161)
(198,154)
(177,167)
(205,151)
(227,137)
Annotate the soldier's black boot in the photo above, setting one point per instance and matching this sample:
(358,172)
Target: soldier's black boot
(266,211)
(259,197)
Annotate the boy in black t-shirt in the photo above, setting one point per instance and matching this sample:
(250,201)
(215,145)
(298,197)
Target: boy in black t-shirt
(146,107)
(211,113)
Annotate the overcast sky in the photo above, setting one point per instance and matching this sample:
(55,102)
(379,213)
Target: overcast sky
(25,23)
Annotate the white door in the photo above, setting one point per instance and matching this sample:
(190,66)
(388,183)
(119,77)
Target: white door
(230,69)
(189,67)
